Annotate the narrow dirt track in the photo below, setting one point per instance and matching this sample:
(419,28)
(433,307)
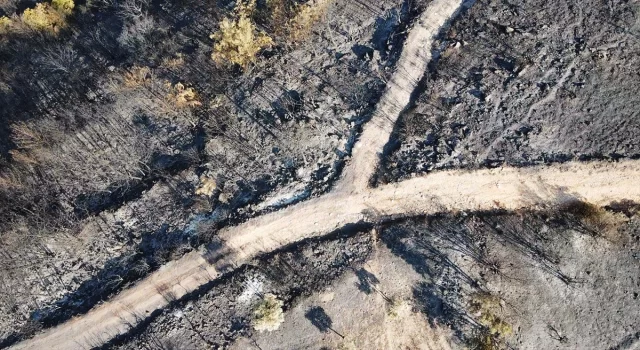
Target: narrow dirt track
(411,66)
(352,202)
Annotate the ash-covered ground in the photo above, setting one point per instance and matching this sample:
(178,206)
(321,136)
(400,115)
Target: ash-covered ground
(524,83)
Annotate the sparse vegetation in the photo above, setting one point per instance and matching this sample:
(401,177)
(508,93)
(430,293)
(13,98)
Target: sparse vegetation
(28,143)
(595,218)
(268,315)
(394,305)
(277,15)
(486,308)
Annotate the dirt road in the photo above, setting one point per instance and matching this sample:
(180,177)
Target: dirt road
(415,56)
(353,202)
(508,188)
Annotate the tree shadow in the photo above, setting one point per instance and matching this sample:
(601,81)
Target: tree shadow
(429,246)
(319,319)
(440,275)
(366,281)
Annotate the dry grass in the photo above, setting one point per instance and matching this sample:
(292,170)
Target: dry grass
(183,97)
(9,180)
(238,41)
(23,157)
(137,76)
(25,137)
(278,15)
(173,62)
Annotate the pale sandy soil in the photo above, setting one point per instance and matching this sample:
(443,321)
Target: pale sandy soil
(365,317)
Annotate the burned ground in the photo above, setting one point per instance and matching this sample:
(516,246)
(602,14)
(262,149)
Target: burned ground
(222,311)
(105,146)
(524,84)
(101,159)
(540,266)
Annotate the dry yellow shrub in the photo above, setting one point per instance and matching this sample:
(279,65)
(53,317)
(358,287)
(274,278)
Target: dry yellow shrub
(5,24)
(44,18)
(64,6)
(182,96)
(238,41)
(306,17)
(137,76)
(207,186)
